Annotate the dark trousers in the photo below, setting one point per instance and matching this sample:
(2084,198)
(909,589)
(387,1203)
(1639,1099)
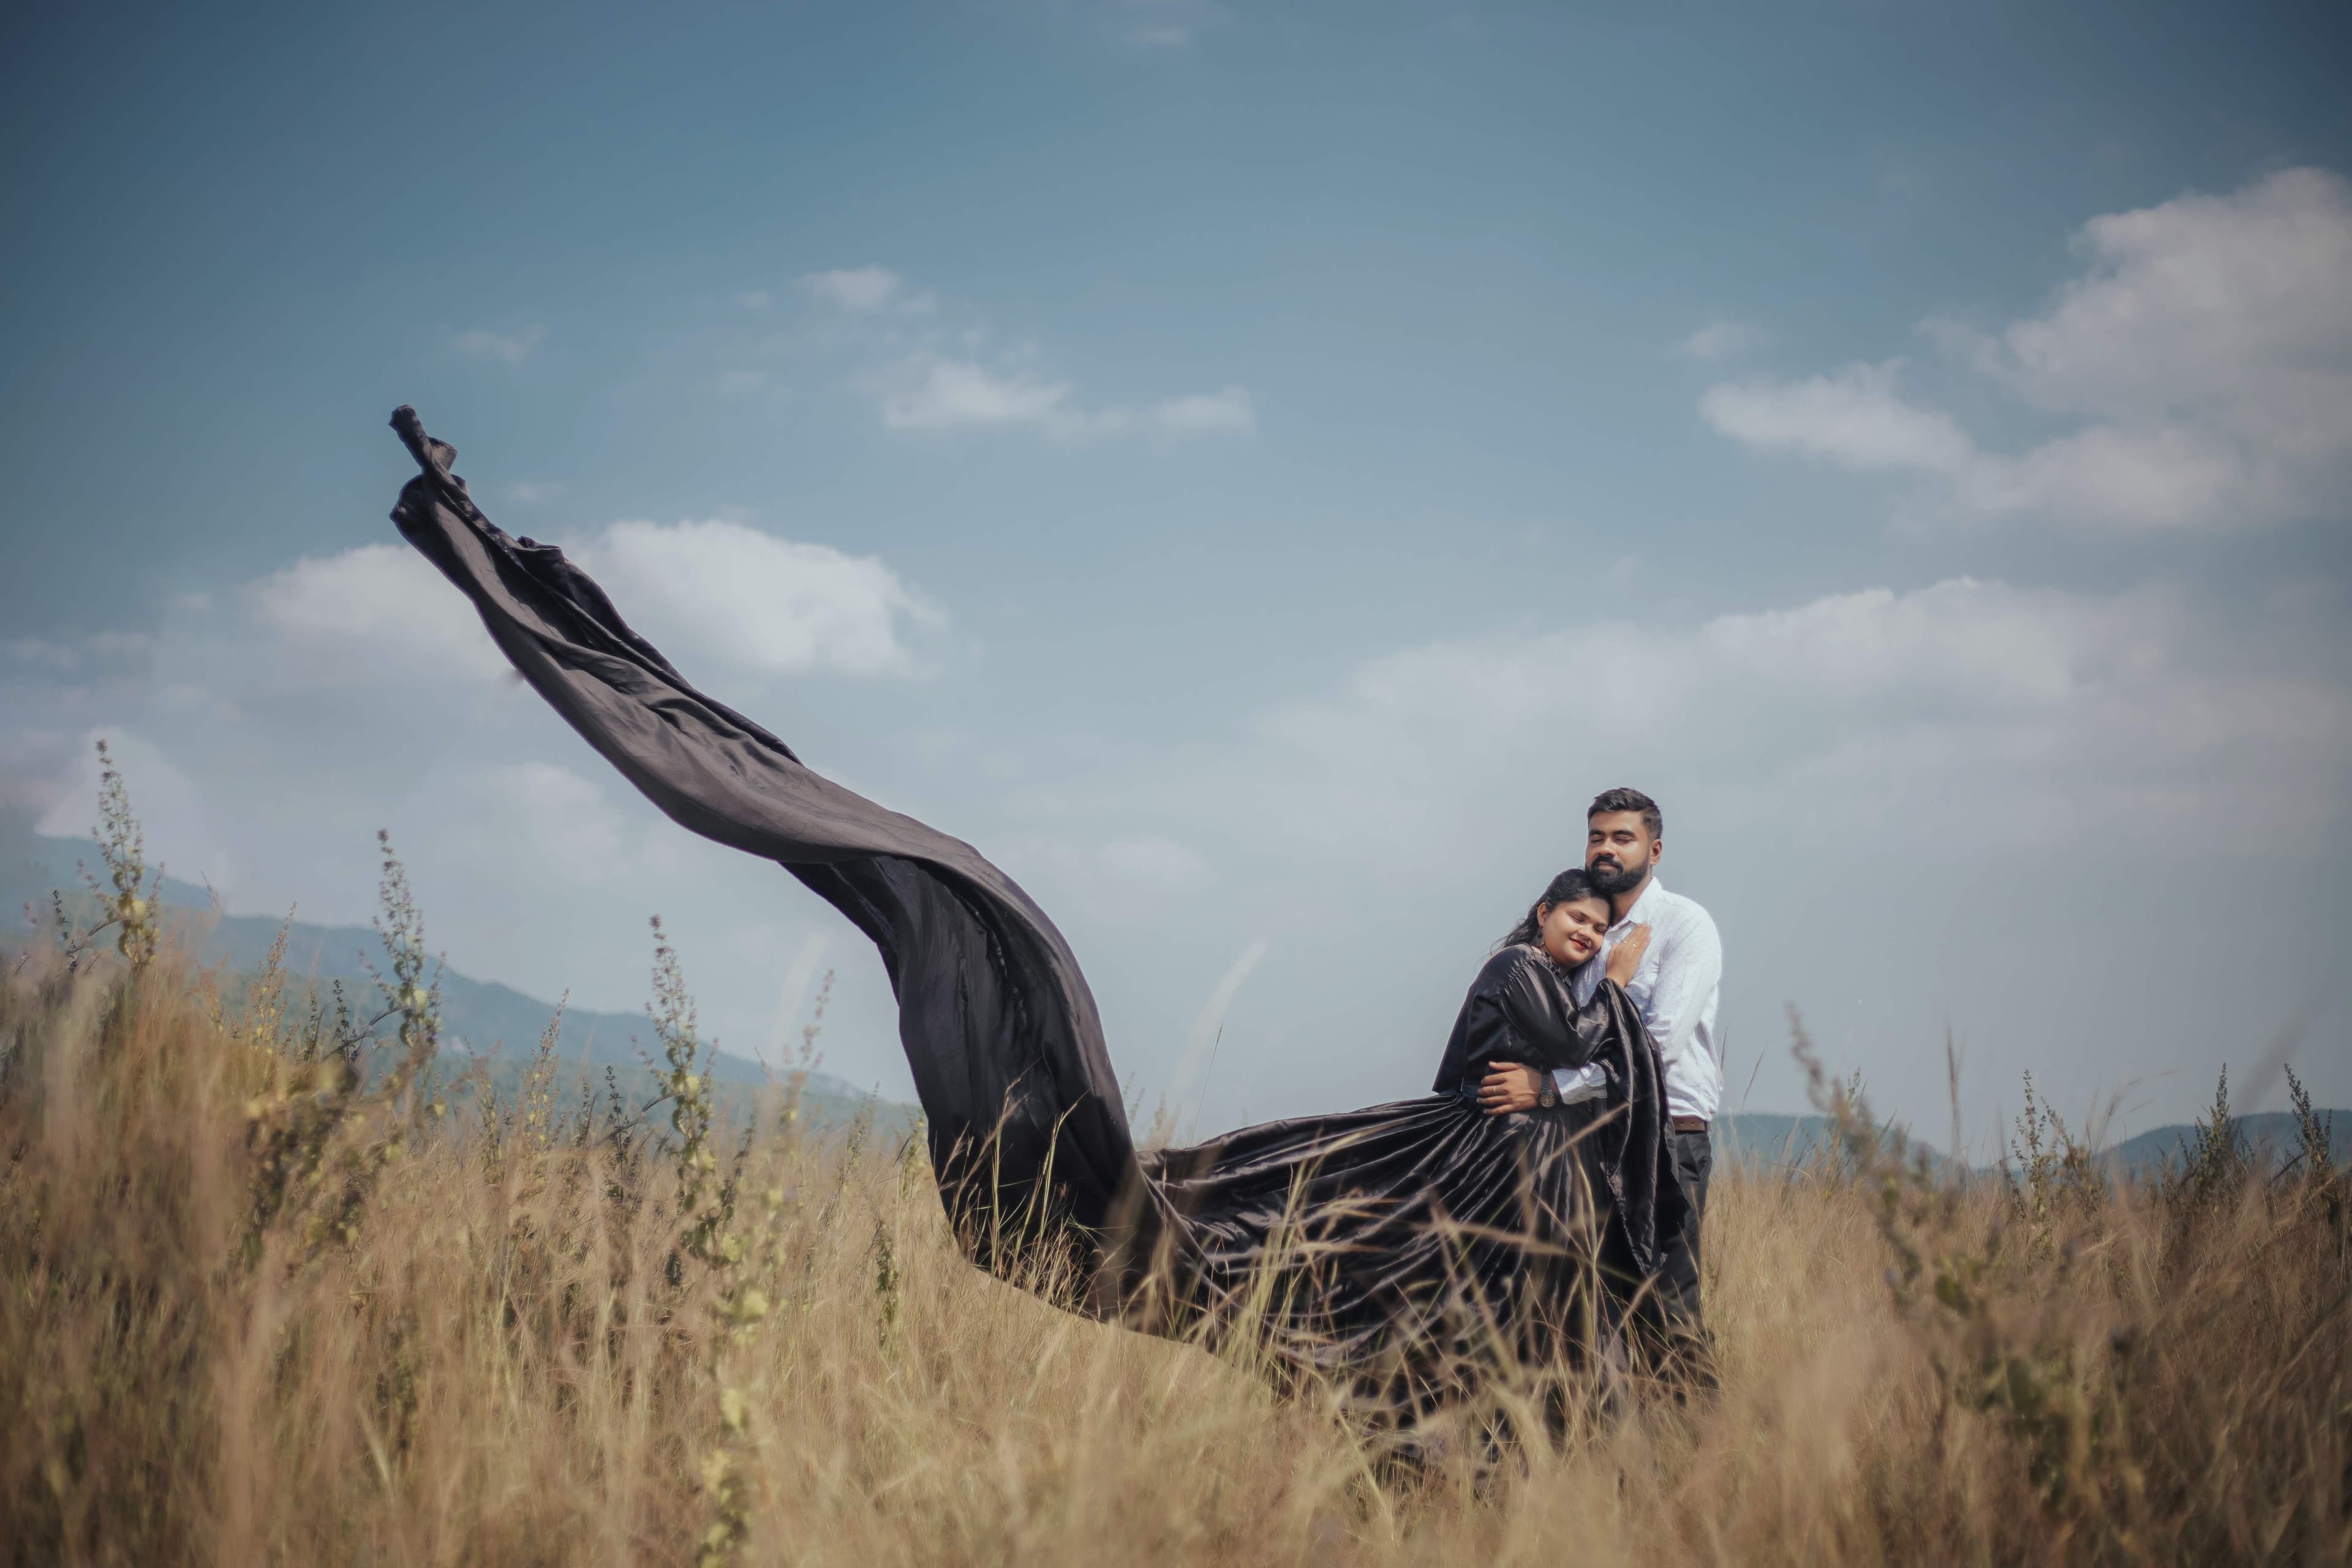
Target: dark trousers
(1675,1325)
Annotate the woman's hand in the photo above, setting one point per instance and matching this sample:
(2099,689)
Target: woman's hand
(1510,1086)
(1626,956)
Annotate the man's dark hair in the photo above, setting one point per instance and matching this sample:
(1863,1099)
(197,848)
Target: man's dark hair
(1629,800)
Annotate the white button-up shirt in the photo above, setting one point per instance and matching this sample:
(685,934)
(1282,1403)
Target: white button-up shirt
(1676,988)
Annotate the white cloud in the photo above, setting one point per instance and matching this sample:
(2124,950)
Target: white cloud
(703,592)
(937,393)
(2128,715)
(2203,361)
(863,291)
(1230,409)
(2164,477)
(1853,416)
(773,606)
(926,374)
(933,391)
(368,613)
(2236,310)
(532,493)
(1724,340)
(508,348)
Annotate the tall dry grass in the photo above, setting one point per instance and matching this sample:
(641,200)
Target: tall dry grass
(259,1303)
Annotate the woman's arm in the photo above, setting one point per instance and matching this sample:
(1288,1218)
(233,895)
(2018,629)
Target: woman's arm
(1562,1037)
(1540,1004)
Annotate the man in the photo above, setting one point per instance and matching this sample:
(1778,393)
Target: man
(1676,988)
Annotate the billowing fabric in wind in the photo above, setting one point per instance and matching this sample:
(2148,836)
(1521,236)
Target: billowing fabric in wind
(1412,1241)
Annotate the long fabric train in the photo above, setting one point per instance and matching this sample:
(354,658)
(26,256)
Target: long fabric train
(1376,1220)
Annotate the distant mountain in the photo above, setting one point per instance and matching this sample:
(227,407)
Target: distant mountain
(478,1017)
(1764,1139)
(501,1024)
(2270,1137)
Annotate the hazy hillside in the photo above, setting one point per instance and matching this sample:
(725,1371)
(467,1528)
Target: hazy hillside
(1764,1139)
(499,1022)
(2269,1134)
(479,1016)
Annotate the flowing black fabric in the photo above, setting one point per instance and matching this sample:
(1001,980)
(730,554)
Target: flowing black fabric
(1403,1243)
(1413,1248)
(1522,1009)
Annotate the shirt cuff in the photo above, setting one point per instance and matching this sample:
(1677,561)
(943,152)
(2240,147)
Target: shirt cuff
(1578,1085)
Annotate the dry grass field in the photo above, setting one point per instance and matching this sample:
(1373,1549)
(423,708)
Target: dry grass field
(258,1308)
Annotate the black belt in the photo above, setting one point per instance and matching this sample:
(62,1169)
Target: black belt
(1688,1123)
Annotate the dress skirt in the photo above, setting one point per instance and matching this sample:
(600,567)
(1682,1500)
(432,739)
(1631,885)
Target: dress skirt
(1406,1251)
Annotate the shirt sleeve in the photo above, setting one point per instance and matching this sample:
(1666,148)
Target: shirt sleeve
(1690,969)
(1577,1085)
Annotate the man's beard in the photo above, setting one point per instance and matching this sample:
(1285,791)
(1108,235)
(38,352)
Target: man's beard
(1612,879)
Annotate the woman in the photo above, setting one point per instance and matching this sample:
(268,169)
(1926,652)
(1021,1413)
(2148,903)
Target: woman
(1406,1245)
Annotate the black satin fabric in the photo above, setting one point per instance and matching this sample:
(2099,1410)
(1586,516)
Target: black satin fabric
(1409,1251)
(1407,1245)
(1522,1009)
(1413,1248)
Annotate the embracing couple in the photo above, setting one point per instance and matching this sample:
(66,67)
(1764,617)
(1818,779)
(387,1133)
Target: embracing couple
(1541,1208)
(1616,921)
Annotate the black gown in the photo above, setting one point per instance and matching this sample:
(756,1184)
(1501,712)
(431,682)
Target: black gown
(1405,1247)
(1410,1249)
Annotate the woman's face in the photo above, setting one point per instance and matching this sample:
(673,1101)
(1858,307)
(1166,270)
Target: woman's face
(1572,929)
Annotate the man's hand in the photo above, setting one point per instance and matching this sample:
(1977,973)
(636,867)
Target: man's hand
(1510,1086)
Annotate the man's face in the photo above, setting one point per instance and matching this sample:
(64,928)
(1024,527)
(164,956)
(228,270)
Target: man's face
(1618,851)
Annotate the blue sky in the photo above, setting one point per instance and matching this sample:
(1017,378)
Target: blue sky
(1256,471)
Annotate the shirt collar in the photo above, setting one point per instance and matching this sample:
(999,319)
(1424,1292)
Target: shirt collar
(1634,916)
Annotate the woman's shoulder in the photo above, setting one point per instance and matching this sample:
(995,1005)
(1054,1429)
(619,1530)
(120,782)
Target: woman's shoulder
(1510,962)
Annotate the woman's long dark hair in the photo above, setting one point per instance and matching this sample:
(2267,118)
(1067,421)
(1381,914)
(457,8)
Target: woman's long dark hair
(1575,882)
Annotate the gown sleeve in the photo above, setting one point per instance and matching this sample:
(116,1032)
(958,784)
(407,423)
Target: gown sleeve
(1540,1004)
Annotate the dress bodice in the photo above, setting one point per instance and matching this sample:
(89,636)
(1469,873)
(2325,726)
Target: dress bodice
(1522,1008)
